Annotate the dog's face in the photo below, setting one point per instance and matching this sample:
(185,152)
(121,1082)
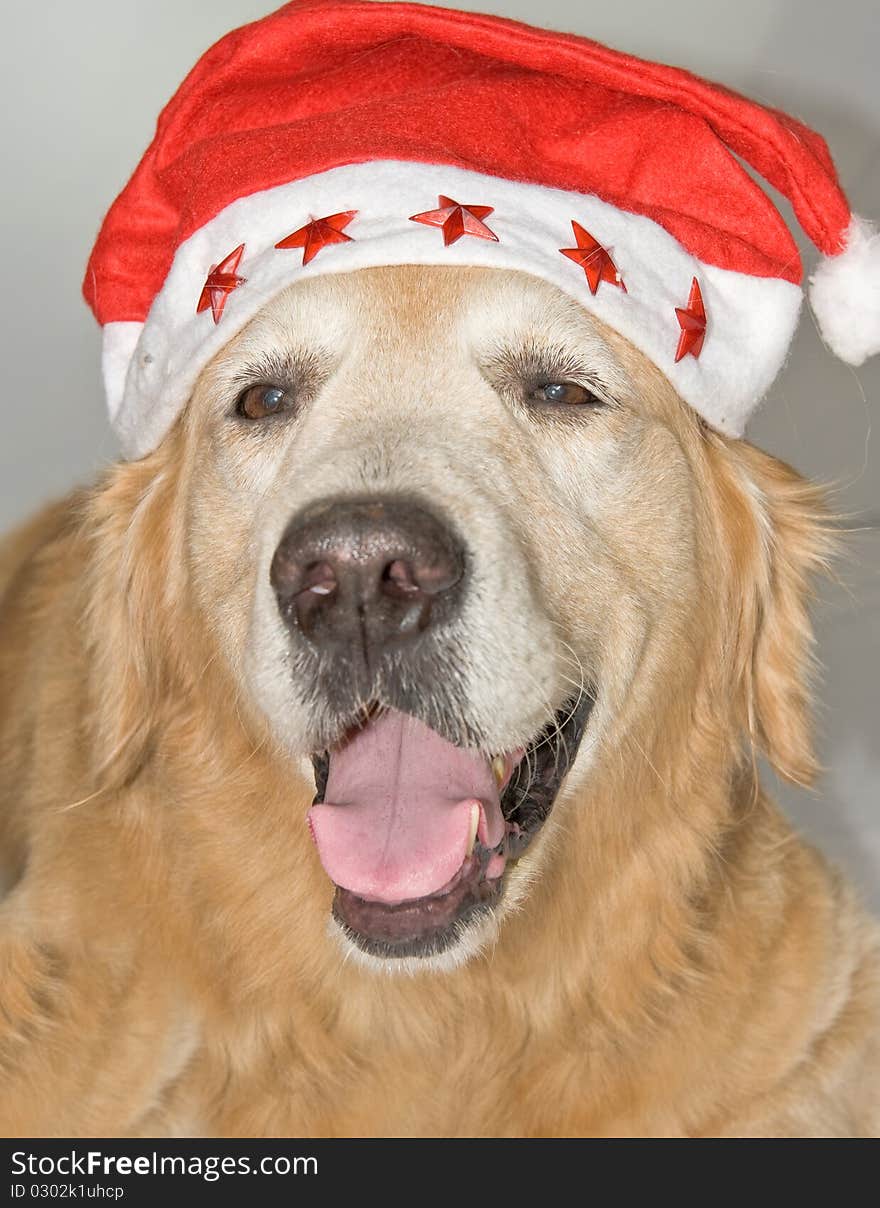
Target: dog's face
(442,527)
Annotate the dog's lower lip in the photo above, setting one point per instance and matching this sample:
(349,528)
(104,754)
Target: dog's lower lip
(421,927)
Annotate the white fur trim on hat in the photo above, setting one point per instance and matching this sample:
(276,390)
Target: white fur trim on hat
(845,295)
(750,320)
(117,350)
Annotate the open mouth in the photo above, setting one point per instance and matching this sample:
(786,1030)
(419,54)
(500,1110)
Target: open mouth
(417,833)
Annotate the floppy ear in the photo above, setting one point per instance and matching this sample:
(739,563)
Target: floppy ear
(781,536)
(130,575)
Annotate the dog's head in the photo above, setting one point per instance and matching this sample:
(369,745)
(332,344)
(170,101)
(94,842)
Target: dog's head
(462,552)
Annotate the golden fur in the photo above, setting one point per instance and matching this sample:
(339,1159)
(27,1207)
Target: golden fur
(678,962)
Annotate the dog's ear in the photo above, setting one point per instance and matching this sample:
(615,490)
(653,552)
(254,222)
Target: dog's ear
(780,536)
(131,571)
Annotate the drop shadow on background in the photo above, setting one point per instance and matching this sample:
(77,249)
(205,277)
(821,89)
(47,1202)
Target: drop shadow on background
(840,815)
(820,817)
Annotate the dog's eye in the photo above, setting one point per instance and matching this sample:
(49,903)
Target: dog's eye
(259,402)
(568,394)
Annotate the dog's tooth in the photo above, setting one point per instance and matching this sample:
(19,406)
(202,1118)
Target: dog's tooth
(499,769)
(475,824)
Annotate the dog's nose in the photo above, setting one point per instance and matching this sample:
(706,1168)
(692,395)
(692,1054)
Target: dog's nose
(369,571)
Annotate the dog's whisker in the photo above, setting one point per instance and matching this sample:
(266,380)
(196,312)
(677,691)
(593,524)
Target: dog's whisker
(664,785)
(64,809)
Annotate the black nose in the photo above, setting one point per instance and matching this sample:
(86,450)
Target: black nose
(374,572)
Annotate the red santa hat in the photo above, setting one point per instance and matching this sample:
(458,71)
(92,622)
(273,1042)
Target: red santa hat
(339,134)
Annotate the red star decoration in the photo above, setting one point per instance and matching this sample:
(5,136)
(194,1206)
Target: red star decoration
(318,233)
(220,282)
(593,258)
(456,220)
(692,321)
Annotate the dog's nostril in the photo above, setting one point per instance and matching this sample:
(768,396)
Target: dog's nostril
(398,577)
(319,579)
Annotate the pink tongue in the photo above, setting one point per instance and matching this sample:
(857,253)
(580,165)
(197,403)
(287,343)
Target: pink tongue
(396,822)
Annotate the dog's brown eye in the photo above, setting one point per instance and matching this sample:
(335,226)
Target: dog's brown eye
(259,402)
(564,393)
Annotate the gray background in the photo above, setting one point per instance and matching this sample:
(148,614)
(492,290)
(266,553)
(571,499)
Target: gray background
(83,84)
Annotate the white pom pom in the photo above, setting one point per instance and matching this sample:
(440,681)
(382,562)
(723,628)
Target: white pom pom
(845,295)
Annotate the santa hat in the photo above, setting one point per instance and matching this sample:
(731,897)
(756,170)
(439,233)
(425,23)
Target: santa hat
(338,134)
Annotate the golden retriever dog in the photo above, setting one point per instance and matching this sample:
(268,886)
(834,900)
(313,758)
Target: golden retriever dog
(379,753)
